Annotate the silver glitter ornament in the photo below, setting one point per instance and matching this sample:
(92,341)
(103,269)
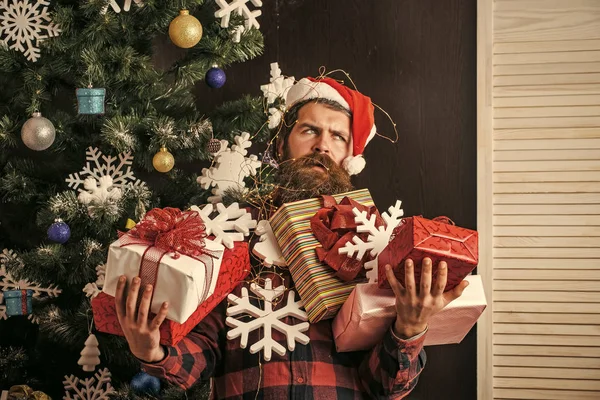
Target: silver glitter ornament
(38,133)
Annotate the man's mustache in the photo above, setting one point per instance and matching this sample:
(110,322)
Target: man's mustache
(314,159)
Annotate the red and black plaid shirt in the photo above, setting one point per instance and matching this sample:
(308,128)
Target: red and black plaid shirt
(313,371)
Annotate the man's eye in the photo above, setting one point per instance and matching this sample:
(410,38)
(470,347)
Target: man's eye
(340,137)
(309,131)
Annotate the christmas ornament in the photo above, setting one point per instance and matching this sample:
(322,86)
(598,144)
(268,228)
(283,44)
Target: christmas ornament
(213,146)
(185,30)
(104,182)
(18,302)
(241,7)
(270,160)
(89,388)
(92,289)
(230,168)
(276,89)
(378,239)
(163,161)
(59,231)
(130,223)
(22,24)
(23,392)
(266,319)
(90,354)
(90,100)
(38,133)
(8,282)
(267,249)
(116,7)
(143,383)
(230,224)
(215,77)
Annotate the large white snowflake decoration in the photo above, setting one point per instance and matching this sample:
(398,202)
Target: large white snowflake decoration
(379,236)
(241,7)
(230,224)
(8,282)
(277,88)
(89,388)
(117,9)
(104,182)
(22,23)
(231,166)
(267,248)
(92,289)
(266,319)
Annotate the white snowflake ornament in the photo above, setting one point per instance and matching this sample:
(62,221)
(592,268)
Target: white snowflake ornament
(22,23)
(231,167)
(230,224)
(104,182)
(92,289)
(277,88)
(116,8)
(266,319)
(267,248)
(95,388)
(378,239)
(241,7)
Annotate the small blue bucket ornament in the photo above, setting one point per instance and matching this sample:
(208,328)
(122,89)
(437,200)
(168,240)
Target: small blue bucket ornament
(90,100)
(18,302)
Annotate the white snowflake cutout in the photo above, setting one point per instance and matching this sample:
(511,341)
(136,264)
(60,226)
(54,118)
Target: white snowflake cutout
(117,9)
(378,239)
(230,224)
(231,167)
(22,23)
(277,88)
(241,7)
(267,319)
(92,289)
(104,183)
(267,249)
(89,388)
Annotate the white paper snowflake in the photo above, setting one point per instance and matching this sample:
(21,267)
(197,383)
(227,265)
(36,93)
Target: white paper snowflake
(89,388)
(92,289)
(277,88)
(230,224)
(231,167)
(378,239)
(8,282)
(267,249)
(117,9)
(104,182)
(241,7)
(266,319)
(22,23)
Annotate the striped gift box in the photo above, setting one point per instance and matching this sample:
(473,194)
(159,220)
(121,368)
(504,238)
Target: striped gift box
(321,291)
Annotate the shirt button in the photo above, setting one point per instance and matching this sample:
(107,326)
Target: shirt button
(300,380)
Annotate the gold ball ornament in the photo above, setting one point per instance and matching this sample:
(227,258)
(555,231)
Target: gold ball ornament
(163,161)
(185,30)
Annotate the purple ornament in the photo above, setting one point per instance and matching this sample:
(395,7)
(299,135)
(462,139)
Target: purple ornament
(215,77)
(59,232)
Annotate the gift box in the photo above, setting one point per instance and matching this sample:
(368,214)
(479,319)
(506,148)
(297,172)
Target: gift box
(18,302)
(370,311)
(235,267)
(438,239)
(168,250)
(322,292)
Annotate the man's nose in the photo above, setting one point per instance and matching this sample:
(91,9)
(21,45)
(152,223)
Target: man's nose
(321,145)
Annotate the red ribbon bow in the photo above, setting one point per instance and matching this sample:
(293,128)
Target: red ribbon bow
(334,226)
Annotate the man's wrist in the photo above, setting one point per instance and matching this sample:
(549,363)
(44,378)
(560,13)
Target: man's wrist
(158,355)
(403,331)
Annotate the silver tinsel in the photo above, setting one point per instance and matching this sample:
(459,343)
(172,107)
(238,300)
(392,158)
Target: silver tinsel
(38,133)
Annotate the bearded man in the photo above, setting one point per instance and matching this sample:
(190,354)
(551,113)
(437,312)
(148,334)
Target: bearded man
(324,133)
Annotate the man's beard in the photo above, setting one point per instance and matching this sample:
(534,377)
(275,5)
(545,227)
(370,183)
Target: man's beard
(298,179)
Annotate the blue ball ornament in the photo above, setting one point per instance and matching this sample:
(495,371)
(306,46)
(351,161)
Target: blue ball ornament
(142,383)
(59,232)
(215,77)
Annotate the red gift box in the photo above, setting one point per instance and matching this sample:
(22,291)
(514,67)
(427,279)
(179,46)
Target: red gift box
(234,268)
(438,239)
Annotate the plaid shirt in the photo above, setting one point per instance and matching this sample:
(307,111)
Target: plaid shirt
(312,371)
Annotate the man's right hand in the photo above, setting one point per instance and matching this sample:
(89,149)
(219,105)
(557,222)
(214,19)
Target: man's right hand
(142,335)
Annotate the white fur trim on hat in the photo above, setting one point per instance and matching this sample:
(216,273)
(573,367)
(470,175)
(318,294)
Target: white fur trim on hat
(305,89)
(354,164)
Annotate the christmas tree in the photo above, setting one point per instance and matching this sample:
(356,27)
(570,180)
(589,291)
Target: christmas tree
(81,88)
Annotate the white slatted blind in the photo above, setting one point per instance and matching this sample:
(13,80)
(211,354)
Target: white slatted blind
(544,93)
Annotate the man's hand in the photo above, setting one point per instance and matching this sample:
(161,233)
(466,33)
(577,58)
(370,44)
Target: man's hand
(415,307)
(142,335)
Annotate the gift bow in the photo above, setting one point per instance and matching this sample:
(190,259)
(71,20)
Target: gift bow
(334,226)
(170,230)
(24,392)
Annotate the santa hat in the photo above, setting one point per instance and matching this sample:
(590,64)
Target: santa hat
(363,119)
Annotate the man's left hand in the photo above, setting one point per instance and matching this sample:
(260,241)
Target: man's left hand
(415,307)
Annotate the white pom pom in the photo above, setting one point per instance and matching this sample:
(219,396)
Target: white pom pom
(354,164)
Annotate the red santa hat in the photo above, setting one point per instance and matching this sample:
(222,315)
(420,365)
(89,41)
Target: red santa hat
(363,119)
